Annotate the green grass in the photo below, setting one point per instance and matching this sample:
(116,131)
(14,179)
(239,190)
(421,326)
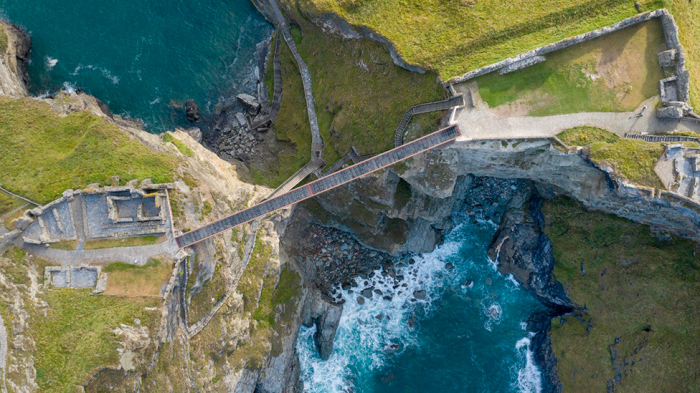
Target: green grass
(124,279)
(9,203)
(65,245)
(612,73)
(453,37)
(354,107)
(584,136)
(74,338)
(637,290)
(43,154)
(168,137)
(632,159)
(123,242)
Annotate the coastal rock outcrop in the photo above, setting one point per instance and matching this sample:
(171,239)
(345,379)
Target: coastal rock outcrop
(521,248)
(192,111)
(15,45)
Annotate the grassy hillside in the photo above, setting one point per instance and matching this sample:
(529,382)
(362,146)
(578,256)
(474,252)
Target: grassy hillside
(43,154)
(360,98)
(637,328)
(456,36)
(73,331)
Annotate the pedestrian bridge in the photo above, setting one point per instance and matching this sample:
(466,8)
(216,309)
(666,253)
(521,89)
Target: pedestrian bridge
(326,183)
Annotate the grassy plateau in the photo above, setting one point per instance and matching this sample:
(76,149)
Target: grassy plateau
(612,73)
(43,154)
(631,159)
(636,328)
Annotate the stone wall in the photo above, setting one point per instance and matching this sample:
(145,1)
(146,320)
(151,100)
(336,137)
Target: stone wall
(567,42)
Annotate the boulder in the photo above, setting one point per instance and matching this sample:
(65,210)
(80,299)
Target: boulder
(249,101)
(192,110)
(420,294)
(241,119)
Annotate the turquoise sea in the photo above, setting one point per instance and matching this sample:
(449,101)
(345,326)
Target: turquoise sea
(468,335)
(137,56)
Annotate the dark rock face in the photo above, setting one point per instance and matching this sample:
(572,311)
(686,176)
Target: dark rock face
(326,316)
(541,345)
(192,111)
(522,249)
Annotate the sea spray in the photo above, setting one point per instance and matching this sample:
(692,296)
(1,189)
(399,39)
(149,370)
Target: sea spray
(450,322)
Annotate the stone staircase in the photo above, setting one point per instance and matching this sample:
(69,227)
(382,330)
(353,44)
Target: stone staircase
(446,104)
(662,138)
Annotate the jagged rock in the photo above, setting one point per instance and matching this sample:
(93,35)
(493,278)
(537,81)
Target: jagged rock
(249,101)
(521,248)
(241,119)
(13,69)
(326,317)
(419,294)
(194,132)
(192,110)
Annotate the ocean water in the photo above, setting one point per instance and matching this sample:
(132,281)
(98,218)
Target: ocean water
(137,56)
(464,337)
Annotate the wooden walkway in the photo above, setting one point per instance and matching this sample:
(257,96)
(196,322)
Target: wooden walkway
(431,141)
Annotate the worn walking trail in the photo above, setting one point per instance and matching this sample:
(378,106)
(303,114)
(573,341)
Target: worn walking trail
(483,123)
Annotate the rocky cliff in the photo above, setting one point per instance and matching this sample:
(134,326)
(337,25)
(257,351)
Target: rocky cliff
(15,45)
(408,207)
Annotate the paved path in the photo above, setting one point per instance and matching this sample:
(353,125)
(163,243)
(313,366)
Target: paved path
(323,184)
(138,255)
(482,123)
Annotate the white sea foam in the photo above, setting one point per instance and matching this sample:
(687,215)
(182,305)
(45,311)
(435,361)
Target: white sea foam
(105,72)
(69,87)
(368,333)
(529,377)
(511,279)
(50,63)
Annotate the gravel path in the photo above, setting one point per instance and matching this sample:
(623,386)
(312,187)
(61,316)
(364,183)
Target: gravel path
(132,255)
(481,123)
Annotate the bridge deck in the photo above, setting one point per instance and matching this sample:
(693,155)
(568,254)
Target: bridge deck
(323,184)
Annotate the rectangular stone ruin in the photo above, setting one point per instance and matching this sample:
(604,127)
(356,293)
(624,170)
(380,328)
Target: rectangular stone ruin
(77,277)
(668,89)
(667,58)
